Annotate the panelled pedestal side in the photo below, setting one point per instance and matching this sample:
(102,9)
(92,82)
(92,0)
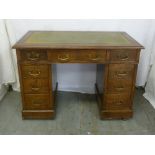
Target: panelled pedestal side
(116,94)
(36,84)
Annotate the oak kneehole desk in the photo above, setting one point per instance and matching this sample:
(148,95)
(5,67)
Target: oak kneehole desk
(115,53)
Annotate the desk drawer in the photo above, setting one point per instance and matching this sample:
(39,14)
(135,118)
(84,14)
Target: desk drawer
(37,102)
(117,102)
(34,71)
(117,86)
(123,55)
(121,71)
(33,55)
(36,85)
(77,56)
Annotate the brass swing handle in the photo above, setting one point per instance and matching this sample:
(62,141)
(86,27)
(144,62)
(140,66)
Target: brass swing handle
(35,88)
(119,88)
(118,103)
(121,74)
(34,74)
(123,57)
(94,58)
(33,56)
(63,57)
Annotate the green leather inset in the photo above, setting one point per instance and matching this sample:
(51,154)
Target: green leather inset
(107,38)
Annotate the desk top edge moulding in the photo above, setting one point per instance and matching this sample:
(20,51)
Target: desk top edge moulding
(77,39)
(116,55)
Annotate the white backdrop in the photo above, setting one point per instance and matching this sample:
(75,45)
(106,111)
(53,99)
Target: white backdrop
(150,85)
(7,72)
(78,77)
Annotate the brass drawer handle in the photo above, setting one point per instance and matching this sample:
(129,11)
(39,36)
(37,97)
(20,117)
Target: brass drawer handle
(63,58)
(120,75)
(123,57)
(34,74)
(96,58)
(119,88)
(33,56)
(35,88)
(119,103)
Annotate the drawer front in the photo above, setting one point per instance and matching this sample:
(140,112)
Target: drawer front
(36,85)
(123,55)
(117,102)
(37,102)
(33,55)
(77,56)
(121,71)
(117,86)
(34,71)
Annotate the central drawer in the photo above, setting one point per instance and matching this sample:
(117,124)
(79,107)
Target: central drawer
(77,56)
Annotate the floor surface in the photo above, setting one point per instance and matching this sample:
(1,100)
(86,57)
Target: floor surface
(76,114)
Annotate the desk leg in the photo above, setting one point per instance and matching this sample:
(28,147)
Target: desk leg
(101,76)
(54,86)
